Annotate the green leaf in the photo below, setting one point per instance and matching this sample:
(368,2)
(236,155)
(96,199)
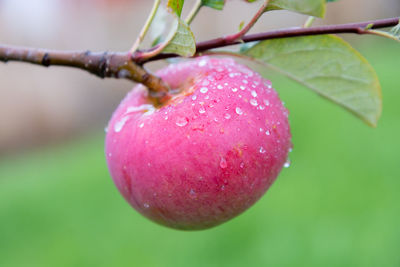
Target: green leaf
(314,8)
(176,6)
(330,67)
(216,4)
(181,40)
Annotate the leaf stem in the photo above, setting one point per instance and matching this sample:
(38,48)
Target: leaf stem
(237,36)
(196,8)
(309,22)
(146,26)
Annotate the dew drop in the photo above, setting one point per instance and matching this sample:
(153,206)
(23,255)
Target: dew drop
(245,81)
(223,163)
(227,116)
(181,121)
(203,90)
(242,87)
(120,124)
(262,150)
(241,165)
(141,125)
(146,206)
(266,102)
(253,102)
(234,89)
(194,97)
(202,110)
(219,87)
(239,111)
(261,107)
(202,63)
(254,93)
(206,82)
(268,132)
(192,192)
(287,164)
(207,97)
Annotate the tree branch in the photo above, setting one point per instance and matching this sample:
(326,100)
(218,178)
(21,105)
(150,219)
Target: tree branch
(128,66)
(357,28)
(103,65)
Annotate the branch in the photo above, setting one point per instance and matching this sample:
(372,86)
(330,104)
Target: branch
(357,28)
(128,66)
(103,65)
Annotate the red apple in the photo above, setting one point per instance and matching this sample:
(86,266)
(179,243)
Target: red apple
(207,154)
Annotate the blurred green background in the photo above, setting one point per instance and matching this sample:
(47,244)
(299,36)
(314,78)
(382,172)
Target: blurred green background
(337,205)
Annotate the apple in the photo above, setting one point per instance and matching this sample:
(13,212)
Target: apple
(205,155)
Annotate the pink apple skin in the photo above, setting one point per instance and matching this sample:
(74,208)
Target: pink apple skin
(205,156)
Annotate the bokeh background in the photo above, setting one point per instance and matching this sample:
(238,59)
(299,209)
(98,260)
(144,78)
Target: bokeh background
(337,205)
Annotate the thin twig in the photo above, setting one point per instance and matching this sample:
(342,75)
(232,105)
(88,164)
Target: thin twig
(357,28)
(237,36)
(145,27)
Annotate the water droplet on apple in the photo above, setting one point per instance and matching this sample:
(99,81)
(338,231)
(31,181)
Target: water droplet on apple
(268,132)
(219,86)
(234,89)
(181,121)
(227,116)
(223,163)
(239,111)
(253,102)
(254,93)
(202,63)
(194,97)
(146,206)
(141,125)
(120,124)
(241,165)
(202,110)
(242,87)
(203,90)
(262,150)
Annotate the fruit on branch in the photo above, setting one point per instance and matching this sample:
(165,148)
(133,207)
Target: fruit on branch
(208,153)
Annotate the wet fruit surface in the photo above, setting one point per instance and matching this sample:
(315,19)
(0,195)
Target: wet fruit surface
(207,154)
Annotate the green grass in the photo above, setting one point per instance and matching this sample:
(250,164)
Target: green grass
(337,205)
